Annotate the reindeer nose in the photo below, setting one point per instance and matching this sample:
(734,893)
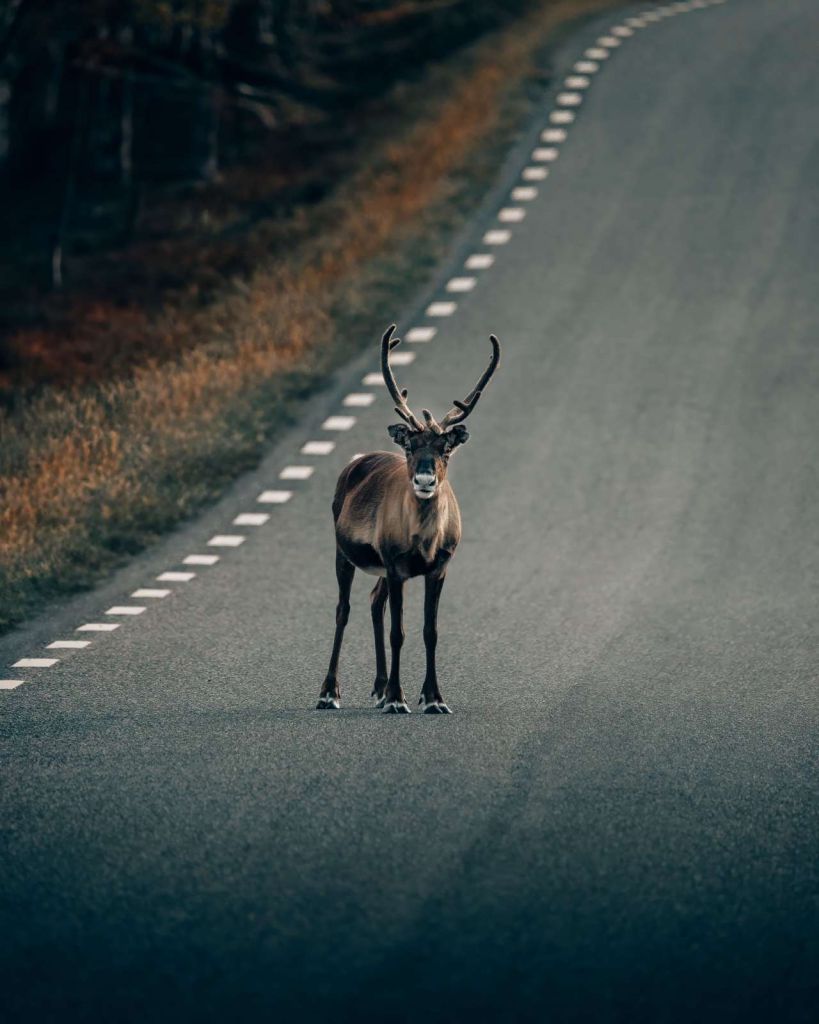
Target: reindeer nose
(424,480)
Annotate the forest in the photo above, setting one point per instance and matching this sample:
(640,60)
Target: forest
(105,104)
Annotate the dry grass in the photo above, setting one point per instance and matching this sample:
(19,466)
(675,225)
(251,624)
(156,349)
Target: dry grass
(93,472)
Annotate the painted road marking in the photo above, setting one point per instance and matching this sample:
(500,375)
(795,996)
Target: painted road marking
(577,82)
(200,560)
(545,154)
(372,379)
(596,53)
(251,519)
(68,645)
(317,447)
(561,117)
(586,67)
(608,41)
(358,399)
(554,135)
(226,540)
(497,237)
(35,663)
(437,309)
(338,423)
(480,261)
(403,358)
(535,173)
(524,193)
(98,627)
(10,684)
(623,31)
(569,99)
(418,334)
(176,577)
(461,284)
(511,214)
(297,472)
(126,609)
(276,497)
(150,592)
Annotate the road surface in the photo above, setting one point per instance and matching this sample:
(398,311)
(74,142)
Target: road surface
(620,821)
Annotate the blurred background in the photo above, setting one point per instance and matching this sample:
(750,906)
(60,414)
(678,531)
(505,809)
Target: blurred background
(206,207)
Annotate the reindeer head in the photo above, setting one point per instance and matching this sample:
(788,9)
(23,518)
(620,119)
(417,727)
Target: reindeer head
(429,445)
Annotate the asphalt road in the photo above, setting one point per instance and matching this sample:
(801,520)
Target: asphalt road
(620,821)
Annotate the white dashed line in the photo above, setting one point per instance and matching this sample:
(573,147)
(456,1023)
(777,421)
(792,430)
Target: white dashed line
(338,423)
(477,261)
(251,519)
(437,309)
(297,472)
(276,497)
(561,116)
(358,399)
(480,261)
(318,447)
(10,684)
(418,334)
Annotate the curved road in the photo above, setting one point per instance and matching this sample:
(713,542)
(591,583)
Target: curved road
(620,821)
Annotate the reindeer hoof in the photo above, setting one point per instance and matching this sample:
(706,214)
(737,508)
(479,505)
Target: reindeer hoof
(380,701)
(435,707)
(396,707)
(328,703)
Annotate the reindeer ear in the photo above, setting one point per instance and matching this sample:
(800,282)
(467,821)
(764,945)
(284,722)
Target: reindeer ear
(399,432)
(457,435)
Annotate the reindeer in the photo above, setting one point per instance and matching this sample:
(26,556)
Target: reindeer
(397,518)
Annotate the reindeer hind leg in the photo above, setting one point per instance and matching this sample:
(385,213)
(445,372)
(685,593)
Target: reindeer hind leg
(378,602)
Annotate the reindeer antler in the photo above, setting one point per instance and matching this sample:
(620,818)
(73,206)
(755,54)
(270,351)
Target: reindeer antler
(462,409)
(399,396)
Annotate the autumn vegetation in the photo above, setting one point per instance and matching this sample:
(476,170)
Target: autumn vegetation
(140,374)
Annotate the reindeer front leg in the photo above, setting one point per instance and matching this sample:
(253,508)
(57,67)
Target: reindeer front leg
(330,696)
(431,701)
(395,702)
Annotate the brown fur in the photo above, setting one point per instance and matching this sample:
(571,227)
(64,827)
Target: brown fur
(397,517)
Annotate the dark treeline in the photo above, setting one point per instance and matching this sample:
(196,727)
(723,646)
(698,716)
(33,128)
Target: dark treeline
(103,99)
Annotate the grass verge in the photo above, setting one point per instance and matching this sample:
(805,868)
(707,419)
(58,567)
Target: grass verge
(95,471)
